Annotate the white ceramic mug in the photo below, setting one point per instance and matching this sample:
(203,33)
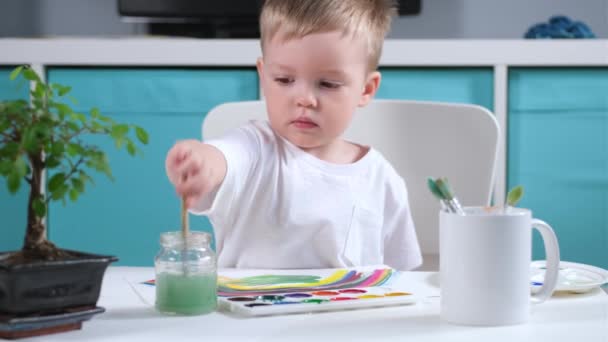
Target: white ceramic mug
(485,261)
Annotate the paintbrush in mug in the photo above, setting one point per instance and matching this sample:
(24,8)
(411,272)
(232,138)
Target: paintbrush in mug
(444,188)
(435,191)
(447,201)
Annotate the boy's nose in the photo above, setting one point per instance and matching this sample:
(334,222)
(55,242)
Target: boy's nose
(306,98)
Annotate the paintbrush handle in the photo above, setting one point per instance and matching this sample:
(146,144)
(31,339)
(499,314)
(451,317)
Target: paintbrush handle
(185,233)
(184,219)
(456,206)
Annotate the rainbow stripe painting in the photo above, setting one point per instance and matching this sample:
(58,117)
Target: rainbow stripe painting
(273,284)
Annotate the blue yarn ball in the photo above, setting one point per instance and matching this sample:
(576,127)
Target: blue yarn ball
(559,26)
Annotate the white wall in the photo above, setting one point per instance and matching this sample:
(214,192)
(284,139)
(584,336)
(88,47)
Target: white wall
(475,19)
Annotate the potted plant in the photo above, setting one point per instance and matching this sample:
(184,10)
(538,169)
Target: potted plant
(42,147)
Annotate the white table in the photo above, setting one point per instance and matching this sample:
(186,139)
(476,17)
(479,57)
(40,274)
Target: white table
(130,316)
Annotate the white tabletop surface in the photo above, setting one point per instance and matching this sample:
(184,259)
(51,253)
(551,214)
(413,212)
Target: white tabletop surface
(130,316)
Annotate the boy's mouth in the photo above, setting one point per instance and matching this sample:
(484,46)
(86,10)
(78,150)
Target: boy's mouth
(304,123)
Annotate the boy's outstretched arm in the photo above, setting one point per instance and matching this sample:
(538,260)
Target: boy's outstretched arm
(195,169)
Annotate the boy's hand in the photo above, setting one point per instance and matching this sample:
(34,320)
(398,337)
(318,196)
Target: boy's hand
(195,169)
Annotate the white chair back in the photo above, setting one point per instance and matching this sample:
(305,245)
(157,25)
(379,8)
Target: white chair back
(420,139)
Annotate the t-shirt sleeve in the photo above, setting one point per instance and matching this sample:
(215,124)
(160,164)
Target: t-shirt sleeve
(401,248)
(241,149)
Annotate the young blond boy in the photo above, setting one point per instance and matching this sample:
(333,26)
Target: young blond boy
(290,192)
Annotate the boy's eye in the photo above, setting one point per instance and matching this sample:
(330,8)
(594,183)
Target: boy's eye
(329,85)
(283,80)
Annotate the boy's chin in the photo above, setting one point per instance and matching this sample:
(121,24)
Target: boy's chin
(304,142)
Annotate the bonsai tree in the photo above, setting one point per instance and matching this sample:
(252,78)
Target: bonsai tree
(45,134)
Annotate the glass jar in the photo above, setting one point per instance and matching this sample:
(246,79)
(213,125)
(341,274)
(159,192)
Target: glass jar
(186,274)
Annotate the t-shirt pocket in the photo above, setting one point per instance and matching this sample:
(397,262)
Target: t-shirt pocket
(364,239)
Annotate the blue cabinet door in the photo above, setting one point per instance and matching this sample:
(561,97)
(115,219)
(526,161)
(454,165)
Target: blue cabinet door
(558,150)
(460,85)
(13,208)
(126,217)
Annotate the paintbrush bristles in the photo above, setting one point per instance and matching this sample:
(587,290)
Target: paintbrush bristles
(434,189)
(444,188)
(441,189)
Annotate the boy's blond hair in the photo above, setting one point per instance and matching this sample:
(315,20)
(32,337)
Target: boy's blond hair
(370,19)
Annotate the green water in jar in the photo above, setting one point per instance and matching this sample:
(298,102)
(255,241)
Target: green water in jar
(181,294)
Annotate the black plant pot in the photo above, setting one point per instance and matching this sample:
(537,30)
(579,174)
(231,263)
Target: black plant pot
(49,286)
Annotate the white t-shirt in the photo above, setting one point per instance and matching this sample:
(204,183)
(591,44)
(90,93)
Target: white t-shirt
(280,207)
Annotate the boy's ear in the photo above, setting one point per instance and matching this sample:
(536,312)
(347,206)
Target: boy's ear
(259,64)
(371,86)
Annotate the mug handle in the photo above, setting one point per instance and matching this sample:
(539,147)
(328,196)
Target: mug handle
(552,265)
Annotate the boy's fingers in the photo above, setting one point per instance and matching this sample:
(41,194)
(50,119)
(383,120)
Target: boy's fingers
(183,154)
(188,170)
(191,194)
(187,186)
(190,201)
(178,153)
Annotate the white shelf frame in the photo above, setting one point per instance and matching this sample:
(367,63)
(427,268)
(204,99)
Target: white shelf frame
(187,52)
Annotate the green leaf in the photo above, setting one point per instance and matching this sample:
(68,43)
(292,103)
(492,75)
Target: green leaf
(53,161)
(105,119)
(73,100)
(57,148)
(20,167)
(96,127)
(39,207)
(119,131)
(6,166)
(31,75)
(515,195)
(29,141)
(59,193)
(79,117)
(38,91)
(95,113)
(72,126)
(13,181)
(10,150)
(16,72)
(131,148)
(64,90)
(84,177)
(74,149)
(118,142)
(141,134)
(62,108)
(78,184)
(73,194)
(56,181)
(99,162)
(5,123)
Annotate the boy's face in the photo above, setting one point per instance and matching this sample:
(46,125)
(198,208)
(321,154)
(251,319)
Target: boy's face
(313,85)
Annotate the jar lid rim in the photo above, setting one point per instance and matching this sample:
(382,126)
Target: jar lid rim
(177,237)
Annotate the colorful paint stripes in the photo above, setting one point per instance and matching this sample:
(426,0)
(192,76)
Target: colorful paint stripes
(274,284)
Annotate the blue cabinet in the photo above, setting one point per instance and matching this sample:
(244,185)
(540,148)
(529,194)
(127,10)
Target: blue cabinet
(558,150)
(460,85)
(13,208)
(125,217)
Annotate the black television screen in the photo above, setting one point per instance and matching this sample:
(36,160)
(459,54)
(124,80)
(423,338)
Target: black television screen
(188,9)
(209,18)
